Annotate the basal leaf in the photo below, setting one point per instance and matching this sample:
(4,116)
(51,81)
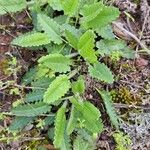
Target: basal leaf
(109,107)
(51,28)
(56,62)
(31,109)
(31,39)
(34,96)
(60,124)
(19,123)
(57,89)
(86,46)
(11,6)
(101,72)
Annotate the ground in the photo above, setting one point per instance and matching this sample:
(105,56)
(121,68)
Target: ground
(131,94)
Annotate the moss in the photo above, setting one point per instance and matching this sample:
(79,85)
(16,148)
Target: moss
(123,95)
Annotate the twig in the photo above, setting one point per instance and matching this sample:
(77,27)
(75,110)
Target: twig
(120,105)
(132,36)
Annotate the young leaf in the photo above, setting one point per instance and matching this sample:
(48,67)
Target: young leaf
(70,7)
(109,107)
(72,121)
(97,15)
(56,62)
(51,28)
(60,124)
(101,72)
(11,6)
(31,39)
(19,123)
(58,88)
(86,46)
(78,86)
(31,109)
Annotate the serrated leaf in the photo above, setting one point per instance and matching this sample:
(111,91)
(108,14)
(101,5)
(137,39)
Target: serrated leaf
(70,7)
(55,4)
(89,114)
(19,123)
(66,145)
(49,120)
(72,35)
(11,6)
(72,121)
(92,114)
(31,109)
(98,15)
(42,82)
(86,46)
(106,32)
(78,86)
(101,72)
(56,62)
(31,39)
(57,89)
(109,107)
(34,96)
(81,144)
(29,76)
(51,28)
(60,124)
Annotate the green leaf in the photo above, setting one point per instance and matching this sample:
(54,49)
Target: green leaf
(60,124)
(109,107)
(51,28)
(55,4)
(57,89)
(106,32)
(56,62)
(42,82)
(19,123)
(49,120)
(101,72)
(70,7)
(92,114)
(86,46)
(31,109)
(98,15)
(81,144)
(31,39)
(66,145)
(11,6)
(29,76)
(72,121)
(78,86)
(72,35)
(109,46)
(34,96)
(89,114)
